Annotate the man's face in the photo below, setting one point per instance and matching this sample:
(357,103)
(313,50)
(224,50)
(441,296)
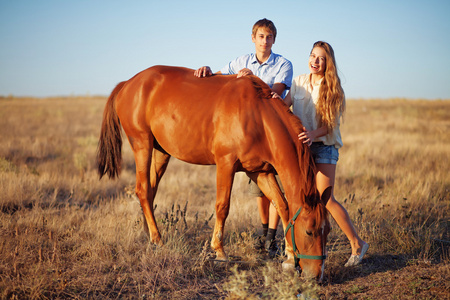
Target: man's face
(263,40)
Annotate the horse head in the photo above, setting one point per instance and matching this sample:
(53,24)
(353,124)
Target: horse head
(307,232)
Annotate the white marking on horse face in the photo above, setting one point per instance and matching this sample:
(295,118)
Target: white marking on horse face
(322,226)
(324,250)
(322,272)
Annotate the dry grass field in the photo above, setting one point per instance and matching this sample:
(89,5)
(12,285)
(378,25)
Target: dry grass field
(65,234)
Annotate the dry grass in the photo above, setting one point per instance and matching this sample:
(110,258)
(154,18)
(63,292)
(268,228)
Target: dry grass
(65,234)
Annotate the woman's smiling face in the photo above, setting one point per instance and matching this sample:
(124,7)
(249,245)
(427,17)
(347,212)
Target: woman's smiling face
(317,61)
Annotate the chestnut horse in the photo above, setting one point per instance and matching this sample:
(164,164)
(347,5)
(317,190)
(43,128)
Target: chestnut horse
(223,120)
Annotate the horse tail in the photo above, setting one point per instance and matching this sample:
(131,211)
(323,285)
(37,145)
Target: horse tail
(109,152)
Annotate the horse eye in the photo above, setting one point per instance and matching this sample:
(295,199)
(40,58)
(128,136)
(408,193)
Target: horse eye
(308,232)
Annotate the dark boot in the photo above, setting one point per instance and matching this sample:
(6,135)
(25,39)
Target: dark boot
(271,244)
(272,248)
(259,244)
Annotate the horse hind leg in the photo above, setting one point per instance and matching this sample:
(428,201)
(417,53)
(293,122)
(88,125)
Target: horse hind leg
(159,162)
(149,164)
(225,176)
(158,167)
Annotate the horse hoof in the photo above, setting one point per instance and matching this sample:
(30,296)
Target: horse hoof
(288,265)
(222,257)
(156,244)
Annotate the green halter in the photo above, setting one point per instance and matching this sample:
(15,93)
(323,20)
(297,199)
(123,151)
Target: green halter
(298,255)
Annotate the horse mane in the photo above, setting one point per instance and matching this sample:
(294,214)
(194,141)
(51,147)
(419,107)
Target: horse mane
(294,126)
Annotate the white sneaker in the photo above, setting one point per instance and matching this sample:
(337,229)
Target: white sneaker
(355,260)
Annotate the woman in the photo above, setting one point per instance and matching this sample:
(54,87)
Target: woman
(318,100)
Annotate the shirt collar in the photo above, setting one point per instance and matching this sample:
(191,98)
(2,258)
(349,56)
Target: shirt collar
(269,61)
(317,82)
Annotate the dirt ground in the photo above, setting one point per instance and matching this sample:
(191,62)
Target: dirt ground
(389,277)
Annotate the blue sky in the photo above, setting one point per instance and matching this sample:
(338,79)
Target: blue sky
(384,49)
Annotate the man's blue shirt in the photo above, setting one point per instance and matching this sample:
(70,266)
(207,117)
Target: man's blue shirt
(276,69)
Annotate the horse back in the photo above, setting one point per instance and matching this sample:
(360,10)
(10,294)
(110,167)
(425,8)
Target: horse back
(194,119)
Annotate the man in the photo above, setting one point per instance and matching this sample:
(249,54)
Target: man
(277,72)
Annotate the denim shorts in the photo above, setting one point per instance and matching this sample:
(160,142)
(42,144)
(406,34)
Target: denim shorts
(324,154)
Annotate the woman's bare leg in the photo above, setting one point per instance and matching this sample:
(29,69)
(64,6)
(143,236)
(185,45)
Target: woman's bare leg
(325,177)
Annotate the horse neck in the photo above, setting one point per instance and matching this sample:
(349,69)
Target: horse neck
(299,193)
(297,180)
(296,171)
(291,158)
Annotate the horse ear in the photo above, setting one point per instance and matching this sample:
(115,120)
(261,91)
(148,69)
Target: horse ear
(326,195)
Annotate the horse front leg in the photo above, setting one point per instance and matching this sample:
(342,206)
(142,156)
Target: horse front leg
(269,186)
(225,176)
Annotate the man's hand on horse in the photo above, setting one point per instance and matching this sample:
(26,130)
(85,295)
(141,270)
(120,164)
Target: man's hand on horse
(244,72)
(203,72)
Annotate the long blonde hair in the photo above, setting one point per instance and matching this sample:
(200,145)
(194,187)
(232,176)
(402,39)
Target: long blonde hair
(331,103)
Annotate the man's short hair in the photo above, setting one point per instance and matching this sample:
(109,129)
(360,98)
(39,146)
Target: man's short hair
(267,24)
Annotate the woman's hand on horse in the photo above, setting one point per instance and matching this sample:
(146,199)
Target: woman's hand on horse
(306,136)
(244,72)
(276,96)
(203,72)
